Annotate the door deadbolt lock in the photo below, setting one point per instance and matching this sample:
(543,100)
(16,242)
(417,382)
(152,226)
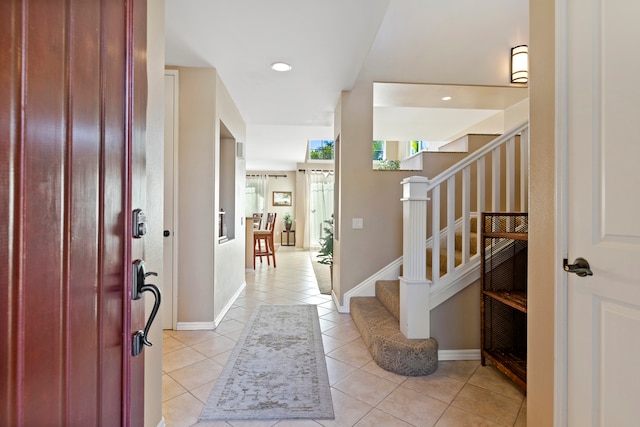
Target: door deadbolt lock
(139,225)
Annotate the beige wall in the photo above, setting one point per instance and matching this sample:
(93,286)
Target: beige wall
(364,193)
(456,146)
(516,114)
(542,213)
(154,207)
(507,119)
(210,273)
(283,183)
(375,197)
(300,213)
(371,195)
(368,194)
(196,203)
(229,257)
(455,323)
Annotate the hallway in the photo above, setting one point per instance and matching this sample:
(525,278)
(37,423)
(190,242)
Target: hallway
(457,394)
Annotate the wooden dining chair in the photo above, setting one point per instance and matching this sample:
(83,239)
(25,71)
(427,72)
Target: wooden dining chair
(257,221)
(263,241)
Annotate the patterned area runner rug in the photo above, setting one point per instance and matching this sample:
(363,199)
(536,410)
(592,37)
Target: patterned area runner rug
(277,370)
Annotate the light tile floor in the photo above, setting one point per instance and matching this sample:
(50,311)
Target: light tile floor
(460,393)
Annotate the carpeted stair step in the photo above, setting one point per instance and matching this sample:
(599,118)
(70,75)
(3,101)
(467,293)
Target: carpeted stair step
(503,223)
(389,348)
(443,259)
(388,293)
(473,241)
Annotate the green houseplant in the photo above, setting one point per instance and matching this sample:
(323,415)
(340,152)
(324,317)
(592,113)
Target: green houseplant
(325,254)
(288,220)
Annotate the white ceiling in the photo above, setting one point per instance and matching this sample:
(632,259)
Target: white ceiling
(331,44)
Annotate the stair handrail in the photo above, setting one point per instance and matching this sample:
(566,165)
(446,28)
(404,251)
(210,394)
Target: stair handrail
(417,190)
(475,156)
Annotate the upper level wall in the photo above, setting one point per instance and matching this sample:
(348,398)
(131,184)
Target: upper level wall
(370,194)
(365,193)
(516,114)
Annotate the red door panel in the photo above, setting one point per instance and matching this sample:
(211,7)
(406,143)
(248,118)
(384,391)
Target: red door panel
(137,107)
(70,124)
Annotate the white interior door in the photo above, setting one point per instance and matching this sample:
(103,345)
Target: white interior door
(599,122)
(170,282)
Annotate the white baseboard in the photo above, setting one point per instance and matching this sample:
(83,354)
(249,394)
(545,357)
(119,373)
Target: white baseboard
(161,423)
(367,288)
(195,326)
(232,301)
(444,355)
(208,326)
(341,309)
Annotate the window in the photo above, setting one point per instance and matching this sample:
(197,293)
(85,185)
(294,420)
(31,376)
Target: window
(256,195)
(378,150)
(321,149)
(418,146)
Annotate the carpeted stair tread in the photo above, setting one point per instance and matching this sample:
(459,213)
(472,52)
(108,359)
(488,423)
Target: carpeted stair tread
(503,223)
(473,243)
(473,249)
(388,293)
(390,349)
(443,259)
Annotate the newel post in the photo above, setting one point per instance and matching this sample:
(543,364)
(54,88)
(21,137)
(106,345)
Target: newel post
(415,292)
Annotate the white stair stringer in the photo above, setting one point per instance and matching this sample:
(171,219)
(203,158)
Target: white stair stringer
(450,285)
(447,288)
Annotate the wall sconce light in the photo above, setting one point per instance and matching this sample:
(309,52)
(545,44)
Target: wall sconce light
(520,64)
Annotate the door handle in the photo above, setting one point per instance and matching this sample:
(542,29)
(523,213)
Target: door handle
(139,276)
(580,267)
(140,338)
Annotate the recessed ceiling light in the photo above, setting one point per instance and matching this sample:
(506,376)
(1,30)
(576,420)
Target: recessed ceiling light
(281,66)
(446,98)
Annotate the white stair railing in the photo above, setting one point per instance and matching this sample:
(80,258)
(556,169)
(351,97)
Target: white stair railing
(489,179)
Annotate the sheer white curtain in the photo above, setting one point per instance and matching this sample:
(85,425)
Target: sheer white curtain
(256,195)
(319,206)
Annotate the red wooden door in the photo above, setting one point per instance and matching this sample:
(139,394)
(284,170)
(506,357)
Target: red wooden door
(72,102)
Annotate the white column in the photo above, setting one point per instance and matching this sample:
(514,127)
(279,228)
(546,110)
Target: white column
(415,292)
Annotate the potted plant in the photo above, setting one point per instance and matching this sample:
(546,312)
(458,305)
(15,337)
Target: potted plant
(288,220)
(325,254)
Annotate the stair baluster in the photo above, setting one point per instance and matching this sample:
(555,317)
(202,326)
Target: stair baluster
(444,270)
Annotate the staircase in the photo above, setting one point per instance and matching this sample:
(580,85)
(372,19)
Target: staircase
(377,320)
(395,323)
(458,255)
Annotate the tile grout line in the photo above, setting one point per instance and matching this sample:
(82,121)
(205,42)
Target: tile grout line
(287,287)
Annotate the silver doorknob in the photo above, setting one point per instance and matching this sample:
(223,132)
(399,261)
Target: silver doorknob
(580,267)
